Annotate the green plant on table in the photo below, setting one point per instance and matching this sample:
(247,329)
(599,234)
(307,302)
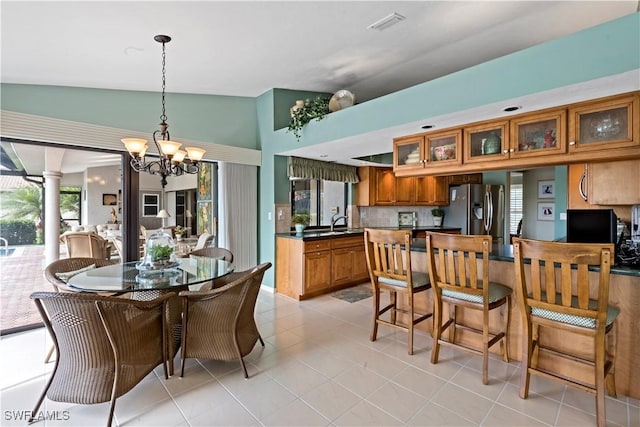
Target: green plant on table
(160,252)
(311,109)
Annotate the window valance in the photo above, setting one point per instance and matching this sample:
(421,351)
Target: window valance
(315,169)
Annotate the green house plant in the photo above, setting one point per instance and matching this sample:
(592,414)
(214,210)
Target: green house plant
(307,111)
(438,216)
(300,221)
(160,253)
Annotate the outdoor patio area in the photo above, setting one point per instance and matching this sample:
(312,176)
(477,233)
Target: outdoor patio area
(21,273)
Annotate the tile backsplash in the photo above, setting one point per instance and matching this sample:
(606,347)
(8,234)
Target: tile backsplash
(387,216)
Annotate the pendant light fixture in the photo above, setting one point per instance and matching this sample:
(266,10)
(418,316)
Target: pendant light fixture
(172,161)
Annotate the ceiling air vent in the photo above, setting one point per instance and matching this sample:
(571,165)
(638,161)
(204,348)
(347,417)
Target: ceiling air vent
(386,22)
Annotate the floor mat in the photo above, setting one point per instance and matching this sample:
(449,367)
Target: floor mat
(354,294)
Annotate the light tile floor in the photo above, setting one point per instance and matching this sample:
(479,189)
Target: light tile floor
(318,368)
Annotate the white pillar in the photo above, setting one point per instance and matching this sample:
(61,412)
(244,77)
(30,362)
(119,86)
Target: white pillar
(51,215)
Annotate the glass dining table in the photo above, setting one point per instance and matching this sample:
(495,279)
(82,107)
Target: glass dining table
(128,277)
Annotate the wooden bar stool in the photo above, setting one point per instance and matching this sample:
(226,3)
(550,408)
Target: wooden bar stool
(457,280)
(389,262)
(557,291)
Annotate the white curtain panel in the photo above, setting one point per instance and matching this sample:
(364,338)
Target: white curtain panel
(238,212)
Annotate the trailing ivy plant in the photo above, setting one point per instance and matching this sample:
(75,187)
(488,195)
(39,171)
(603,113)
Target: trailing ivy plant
(312,109)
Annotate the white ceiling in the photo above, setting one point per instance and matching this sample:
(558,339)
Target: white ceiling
(246,48)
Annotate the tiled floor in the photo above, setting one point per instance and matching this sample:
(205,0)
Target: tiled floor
(318,368)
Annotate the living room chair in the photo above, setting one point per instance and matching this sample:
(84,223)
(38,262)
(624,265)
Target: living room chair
(459,273)
(204,241)
(219,324)
(105,345)
(389,262)
(557,291)
(86,245)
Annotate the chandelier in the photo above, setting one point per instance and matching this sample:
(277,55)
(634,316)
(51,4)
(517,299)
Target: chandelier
(173,161)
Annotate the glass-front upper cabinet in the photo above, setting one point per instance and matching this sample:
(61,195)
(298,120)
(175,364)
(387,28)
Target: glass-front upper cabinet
(408,152)
(611,122)
(443,148)
(539,134)
(486,141)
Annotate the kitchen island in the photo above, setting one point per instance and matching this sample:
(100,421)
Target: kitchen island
(624,293)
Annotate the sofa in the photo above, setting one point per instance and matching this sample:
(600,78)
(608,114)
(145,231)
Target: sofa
(103,230)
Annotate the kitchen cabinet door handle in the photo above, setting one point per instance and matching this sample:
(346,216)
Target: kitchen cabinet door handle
(581,186)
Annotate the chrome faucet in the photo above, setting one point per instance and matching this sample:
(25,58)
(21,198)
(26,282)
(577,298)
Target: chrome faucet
(335,219)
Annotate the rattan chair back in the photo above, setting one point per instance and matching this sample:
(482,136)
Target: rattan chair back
(204,241)
(556,290)
(67,265)
(219,324)
(82,244)
(106,345)
(222,253)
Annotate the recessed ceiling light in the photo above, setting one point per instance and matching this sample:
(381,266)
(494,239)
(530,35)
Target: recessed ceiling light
(512,108)
(427,126)
(324,155)
(386,22)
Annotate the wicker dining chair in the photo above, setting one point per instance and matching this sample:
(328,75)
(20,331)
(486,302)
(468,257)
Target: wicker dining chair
(106,345)
(83,244)
(58,273)
(210,252)
(219,324)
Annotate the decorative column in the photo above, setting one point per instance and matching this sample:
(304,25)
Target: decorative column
(51,215)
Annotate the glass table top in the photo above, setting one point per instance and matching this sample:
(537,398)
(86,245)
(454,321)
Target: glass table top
(128,278)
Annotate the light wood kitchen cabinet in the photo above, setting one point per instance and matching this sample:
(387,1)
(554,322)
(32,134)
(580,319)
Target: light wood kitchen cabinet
(486,141)
(431,150)
(538,134)
(349,264)
(470,178)
(577,187)
(614,183)
(592,185)
(309,268)
(409,153)
(380,187)
(431,190)
(605,123)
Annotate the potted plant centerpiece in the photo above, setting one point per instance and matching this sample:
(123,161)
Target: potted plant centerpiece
(300,221)
(438,216)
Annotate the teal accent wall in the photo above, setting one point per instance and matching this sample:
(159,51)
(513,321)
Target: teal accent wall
(226,120)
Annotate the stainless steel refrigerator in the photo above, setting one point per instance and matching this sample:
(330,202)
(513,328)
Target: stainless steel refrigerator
(477,209)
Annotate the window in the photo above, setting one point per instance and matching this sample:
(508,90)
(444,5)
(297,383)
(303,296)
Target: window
(70,206)
(320,199)
(515,202)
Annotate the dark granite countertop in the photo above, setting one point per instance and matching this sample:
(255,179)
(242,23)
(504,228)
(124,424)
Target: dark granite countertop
(347,232)
(505,253)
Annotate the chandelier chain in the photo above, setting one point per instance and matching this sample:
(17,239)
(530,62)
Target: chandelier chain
(163,117)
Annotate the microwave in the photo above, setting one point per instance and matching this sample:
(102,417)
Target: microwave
(591,226)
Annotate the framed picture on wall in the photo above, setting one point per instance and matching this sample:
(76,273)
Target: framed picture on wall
(546,211)
(150,204)
(109,199)
(546,190)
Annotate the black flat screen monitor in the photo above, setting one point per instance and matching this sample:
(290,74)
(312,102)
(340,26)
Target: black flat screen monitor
(591,226)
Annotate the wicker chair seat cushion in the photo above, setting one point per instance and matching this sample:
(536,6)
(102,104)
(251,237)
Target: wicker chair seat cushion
(419,280)
(571,319)
(66,275)
(497,292)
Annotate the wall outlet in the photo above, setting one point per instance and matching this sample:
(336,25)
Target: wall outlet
(563,216)
(335,210)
